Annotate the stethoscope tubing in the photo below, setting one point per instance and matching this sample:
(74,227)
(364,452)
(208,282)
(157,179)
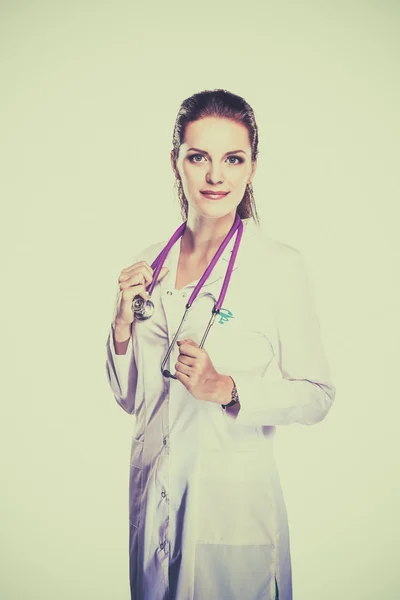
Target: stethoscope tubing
(157,266)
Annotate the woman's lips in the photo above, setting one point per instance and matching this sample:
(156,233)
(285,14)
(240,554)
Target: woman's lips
(214,196)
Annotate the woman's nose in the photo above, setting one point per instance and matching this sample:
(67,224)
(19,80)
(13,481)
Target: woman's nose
(215,175)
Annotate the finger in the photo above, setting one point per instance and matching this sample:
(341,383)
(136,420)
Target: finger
(184,379)
(139,267)
(182,368)
(137,290)
(186,360)
(135,279)
(189,349)
(145,273)
(188,342)
(140,263)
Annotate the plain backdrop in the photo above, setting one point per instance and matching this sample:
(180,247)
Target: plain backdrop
(89,96)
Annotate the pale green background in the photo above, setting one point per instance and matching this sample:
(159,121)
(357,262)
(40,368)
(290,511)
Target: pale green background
(90,92)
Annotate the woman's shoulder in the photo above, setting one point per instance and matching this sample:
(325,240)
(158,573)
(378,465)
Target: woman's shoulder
(270,250)
(150,253)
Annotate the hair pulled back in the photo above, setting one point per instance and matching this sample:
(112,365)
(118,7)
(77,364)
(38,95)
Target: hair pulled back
(223,104)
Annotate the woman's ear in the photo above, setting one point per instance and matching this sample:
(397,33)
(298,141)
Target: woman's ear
(253,171)
(173,164)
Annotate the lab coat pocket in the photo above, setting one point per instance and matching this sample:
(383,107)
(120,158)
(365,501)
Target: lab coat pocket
(235,499)
(135,482)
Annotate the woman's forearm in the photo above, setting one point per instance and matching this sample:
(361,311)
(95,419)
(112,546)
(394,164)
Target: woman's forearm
(121,336)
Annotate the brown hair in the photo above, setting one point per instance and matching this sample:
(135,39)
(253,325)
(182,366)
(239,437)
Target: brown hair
(223,104)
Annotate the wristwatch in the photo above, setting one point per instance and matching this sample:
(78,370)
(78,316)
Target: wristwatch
(234,396)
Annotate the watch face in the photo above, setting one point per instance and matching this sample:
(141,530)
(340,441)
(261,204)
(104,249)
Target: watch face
(235,396)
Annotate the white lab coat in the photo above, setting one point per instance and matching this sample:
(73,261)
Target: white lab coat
(207,518)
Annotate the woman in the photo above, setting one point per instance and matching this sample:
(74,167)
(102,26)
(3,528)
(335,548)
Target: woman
(207,518)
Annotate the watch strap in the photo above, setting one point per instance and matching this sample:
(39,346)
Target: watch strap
(234,397)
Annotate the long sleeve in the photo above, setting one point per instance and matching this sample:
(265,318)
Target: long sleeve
(122,374)
(305,393)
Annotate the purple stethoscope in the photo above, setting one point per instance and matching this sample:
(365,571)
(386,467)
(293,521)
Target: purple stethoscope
(143,309)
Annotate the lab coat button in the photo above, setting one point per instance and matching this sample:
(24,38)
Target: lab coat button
(165,441)
(184,295)
(162,545)
(163,494)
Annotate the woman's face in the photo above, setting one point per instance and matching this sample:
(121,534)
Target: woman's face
(215,156)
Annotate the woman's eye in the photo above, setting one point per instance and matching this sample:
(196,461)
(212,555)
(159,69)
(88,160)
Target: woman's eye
(240,160)
(193,156)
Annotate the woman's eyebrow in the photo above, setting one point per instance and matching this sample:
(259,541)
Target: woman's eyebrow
(226,153)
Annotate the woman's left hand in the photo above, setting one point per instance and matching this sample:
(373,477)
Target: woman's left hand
(197,373)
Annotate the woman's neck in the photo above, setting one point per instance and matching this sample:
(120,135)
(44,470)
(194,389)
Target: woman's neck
(202,237)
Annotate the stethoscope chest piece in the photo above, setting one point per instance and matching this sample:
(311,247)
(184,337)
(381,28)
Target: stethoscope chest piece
(142,308)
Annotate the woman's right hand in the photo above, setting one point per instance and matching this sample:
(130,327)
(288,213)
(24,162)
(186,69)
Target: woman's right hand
(133,281)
